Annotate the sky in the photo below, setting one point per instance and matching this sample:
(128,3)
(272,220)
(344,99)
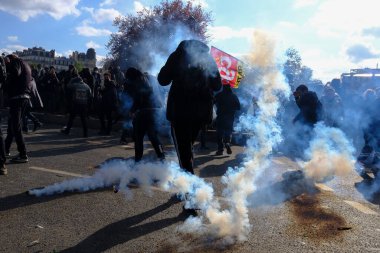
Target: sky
(332,36)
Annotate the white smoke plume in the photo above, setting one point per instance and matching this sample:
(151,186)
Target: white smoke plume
(330,153)
(233,223)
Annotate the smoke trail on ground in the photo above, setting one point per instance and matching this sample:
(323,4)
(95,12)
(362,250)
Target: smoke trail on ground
(330,153)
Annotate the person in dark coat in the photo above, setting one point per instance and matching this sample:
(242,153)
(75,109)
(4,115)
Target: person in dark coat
(19,88)
(227,103)
(144,112)
(3,78)
(79,96)
(194,76)
(310,107)
(108,104)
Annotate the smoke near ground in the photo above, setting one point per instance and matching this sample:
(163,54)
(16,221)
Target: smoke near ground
(329,153)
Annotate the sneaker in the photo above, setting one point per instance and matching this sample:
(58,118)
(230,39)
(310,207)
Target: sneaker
(20,159)
(7,154)
(228,147)
(219,152)
(36,126)
(190,211)
(3,170)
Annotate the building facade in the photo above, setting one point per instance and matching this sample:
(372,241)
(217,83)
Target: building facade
(38,55)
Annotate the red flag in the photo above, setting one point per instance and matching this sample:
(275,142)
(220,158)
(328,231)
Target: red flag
(230,68)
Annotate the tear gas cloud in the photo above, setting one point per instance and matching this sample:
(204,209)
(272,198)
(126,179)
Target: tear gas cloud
(330,153)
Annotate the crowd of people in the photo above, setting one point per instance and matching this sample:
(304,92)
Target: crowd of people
(195,88)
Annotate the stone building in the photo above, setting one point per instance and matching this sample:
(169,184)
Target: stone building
(38,55)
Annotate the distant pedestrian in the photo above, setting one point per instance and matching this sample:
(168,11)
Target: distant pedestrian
(144,112)
(108,104)
(227,103)
(79,97)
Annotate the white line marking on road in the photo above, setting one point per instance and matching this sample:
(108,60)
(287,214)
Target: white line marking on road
(58,172)
(361,207)
(323,187)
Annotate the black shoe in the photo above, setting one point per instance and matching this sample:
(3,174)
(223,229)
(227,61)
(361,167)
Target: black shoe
(7,154)
(219,152)
(36,126)
(190,211)
(228,147)
(20,159)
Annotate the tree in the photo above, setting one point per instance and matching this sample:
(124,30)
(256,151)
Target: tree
(296,73)
(153,32)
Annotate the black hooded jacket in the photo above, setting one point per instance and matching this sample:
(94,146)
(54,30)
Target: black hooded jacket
(311,110)
(194,76)
(19,79)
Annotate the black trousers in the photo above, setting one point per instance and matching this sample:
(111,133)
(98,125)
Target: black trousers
(224,126)
(145,123)
(2,148)
(106,114)
(28,115)
(16,113)
(184,135)
(80,110)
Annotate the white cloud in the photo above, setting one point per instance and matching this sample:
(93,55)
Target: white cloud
(304,3)
(138,6)
(202,3)
(89,31)
(103,15)
(360,52)
(218,33)
(92,44)
(31,8)
(12,38)
(340,17)
(107,2)
(12,48)
(100,60)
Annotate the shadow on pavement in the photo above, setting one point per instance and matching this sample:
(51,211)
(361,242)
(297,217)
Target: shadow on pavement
(24,199)
(126,230)
(370,189)
(293,184)
(217,170)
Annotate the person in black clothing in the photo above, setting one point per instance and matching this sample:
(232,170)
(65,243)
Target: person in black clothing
(193,75)
(19,88)
(227,103)
(309,105)
(79,97)
(3,77)
(144,112)
(310,113)
(108,105)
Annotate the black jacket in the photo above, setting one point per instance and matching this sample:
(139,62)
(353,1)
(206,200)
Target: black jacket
(142,94)
(226,102)
(109,95)
(310,108)
(19,79)
(194,76)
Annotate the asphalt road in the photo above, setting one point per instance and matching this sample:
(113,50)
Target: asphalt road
(286,214)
